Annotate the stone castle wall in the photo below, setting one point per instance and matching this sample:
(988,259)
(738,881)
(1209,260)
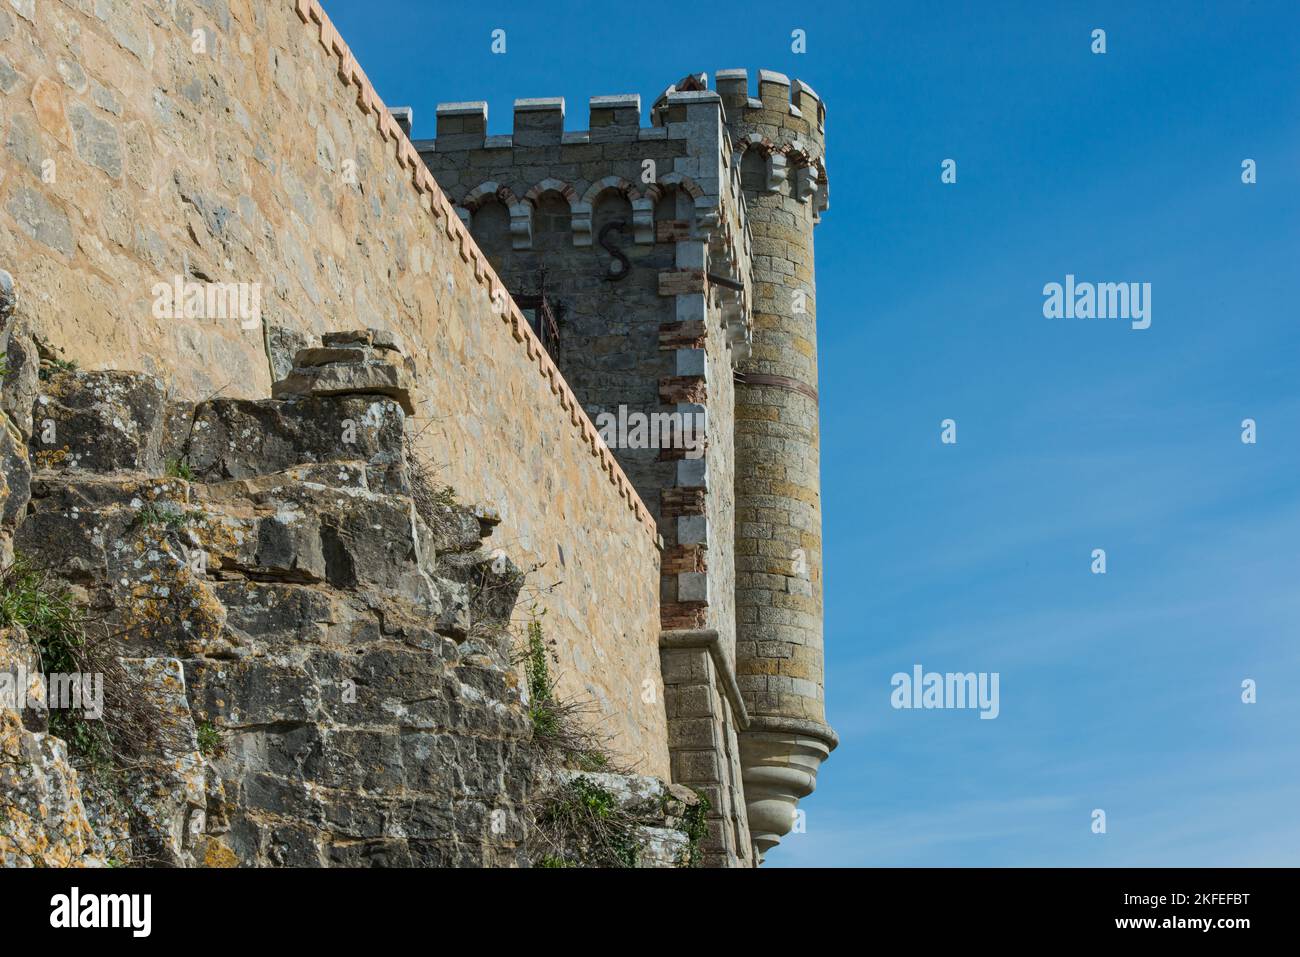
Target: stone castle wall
(240,142)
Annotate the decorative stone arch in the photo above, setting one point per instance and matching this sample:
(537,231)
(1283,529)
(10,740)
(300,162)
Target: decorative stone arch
(809,172)
(706,213)
(661,187)
(616,183)
(643,210)
(774,157)
(521,214)
(755,141)
(797,151)
(486,192)
(682,182)
(549,185)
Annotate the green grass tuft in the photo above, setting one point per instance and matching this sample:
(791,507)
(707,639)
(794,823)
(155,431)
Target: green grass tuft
(209,736)
(151,516)
(179,468)
(30,597)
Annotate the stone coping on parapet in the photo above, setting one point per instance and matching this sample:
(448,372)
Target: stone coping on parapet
(625,101)
(369,102)
(539,104)
(472,108)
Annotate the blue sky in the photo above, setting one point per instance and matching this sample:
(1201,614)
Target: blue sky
(1119,692)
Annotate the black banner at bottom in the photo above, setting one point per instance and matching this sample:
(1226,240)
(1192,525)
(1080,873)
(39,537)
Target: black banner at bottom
(340,906)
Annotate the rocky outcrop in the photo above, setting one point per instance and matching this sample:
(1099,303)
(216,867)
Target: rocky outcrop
(273,589)
(43,821)
(15,485)
(7,297)
(322,656)
(662,824)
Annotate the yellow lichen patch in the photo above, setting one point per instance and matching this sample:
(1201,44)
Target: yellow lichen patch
(51,458)
(42,820)
(758,666)
(216,854)
(219,538)
(162,591)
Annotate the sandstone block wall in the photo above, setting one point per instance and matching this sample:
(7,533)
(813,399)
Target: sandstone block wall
(239,141)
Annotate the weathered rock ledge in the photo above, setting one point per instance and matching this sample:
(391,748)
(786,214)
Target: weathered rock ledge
(331,661)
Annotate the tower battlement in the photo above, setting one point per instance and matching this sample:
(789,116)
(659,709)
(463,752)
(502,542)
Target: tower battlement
(786,123)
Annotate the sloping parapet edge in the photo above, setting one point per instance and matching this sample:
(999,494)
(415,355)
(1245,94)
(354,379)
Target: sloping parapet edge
(435,201)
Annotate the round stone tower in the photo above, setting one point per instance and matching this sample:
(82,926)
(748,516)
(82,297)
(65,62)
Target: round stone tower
(779,140)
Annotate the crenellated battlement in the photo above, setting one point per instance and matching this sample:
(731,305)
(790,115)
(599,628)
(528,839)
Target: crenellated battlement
(539,122)
(617,118)
(784,126)
(776,94)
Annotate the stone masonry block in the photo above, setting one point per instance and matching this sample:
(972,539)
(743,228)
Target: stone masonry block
(693,733)
(693,530)
(691,362)
(686,666)
(693,586)
(692,473)
(690,701)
